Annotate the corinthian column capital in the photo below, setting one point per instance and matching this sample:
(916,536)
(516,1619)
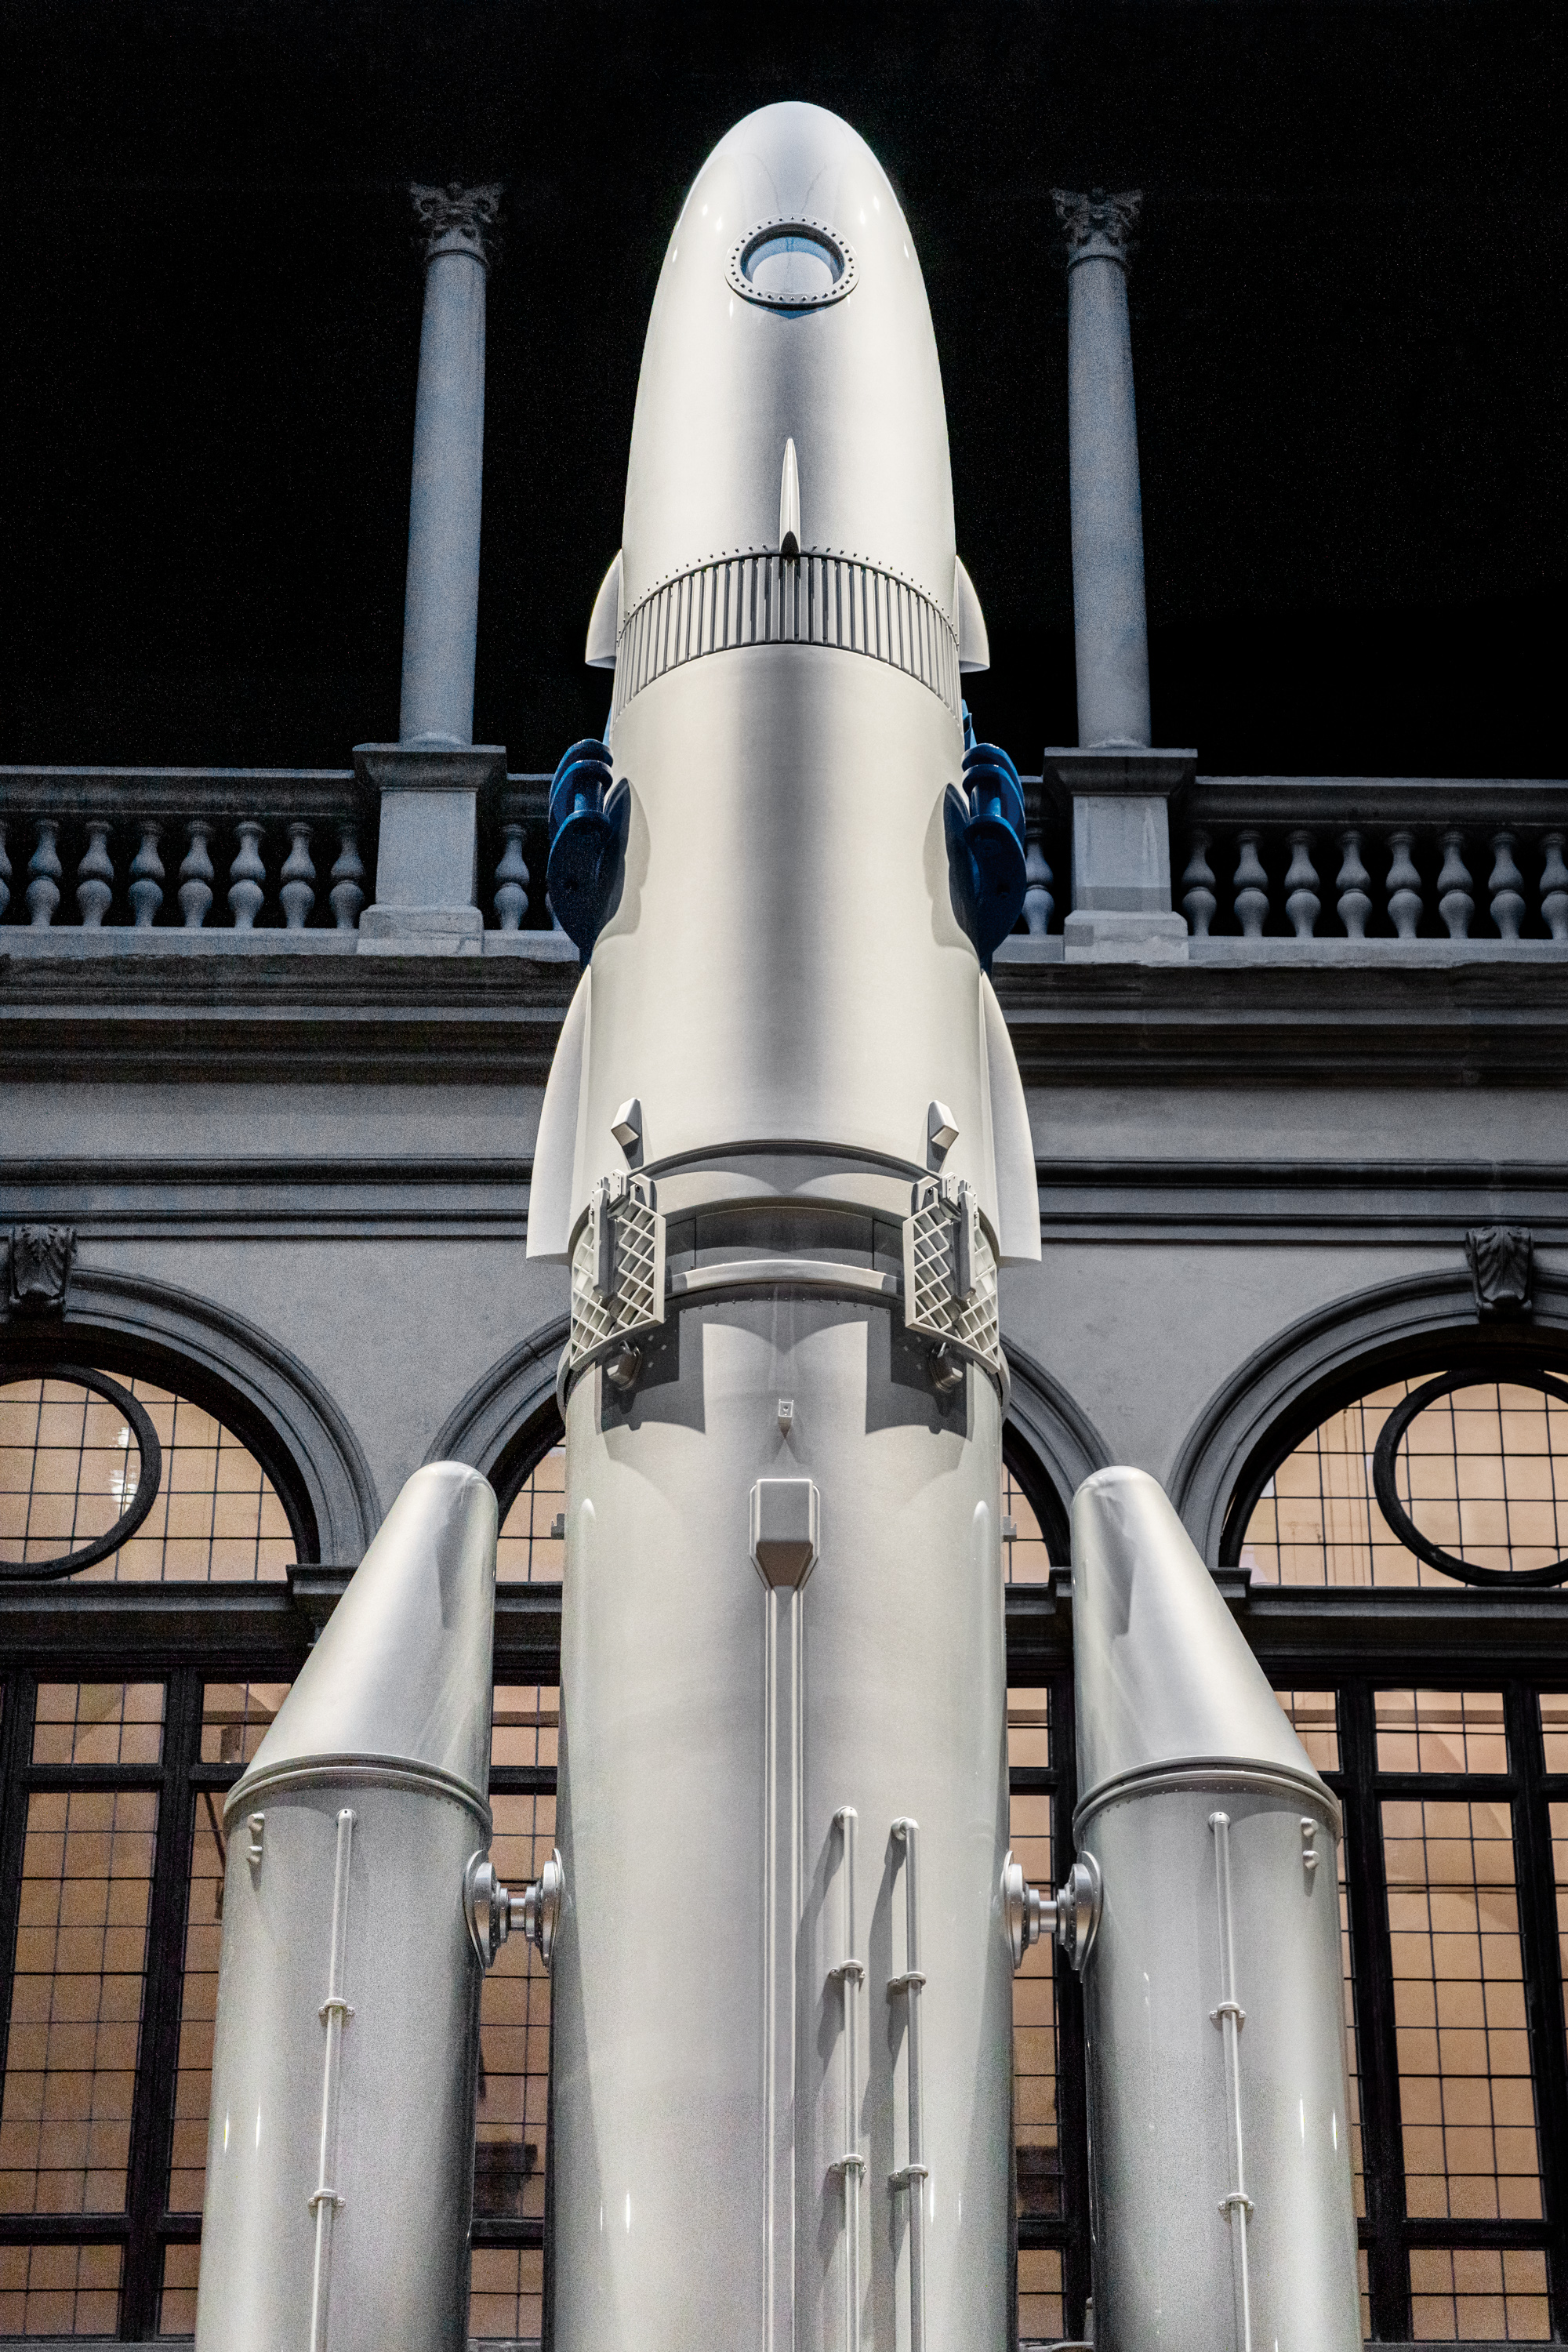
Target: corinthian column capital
(459,220)
(1098,227)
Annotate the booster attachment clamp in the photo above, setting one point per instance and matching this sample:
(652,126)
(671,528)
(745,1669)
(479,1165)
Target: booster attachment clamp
(494,1912)
(1070,1915)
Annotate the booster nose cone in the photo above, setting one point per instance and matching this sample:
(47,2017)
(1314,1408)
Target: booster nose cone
(1164,1676)
(791,307)
(394,1674)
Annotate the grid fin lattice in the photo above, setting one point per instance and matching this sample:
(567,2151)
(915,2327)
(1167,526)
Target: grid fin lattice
(635,1300)
(932,1303)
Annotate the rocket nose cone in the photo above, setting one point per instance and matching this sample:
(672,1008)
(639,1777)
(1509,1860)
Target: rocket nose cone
(401,1669)
(789,307)
(1162,1673)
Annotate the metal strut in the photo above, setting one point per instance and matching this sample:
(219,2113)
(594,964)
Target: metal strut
(334,2013)
(847,1974)
(914,2174)
(1230,2017)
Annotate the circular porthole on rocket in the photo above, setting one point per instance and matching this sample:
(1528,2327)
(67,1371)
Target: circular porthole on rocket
(791,266)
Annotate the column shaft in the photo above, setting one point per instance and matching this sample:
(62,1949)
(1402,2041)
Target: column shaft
(441,611)
(1110,625)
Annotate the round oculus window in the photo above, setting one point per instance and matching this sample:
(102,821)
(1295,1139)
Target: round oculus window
(791,266)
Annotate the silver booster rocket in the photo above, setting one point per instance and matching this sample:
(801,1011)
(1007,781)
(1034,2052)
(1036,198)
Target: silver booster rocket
(1222,2210)
(785,1150)
(341,2128)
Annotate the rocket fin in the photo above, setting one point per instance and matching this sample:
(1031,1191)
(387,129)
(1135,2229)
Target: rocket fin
(553,1189)
(1012,1145)
(974,644)
(605,624)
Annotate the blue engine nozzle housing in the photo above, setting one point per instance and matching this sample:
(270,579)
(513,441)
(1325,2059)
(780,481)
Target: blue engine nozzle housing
(588,816)
(986,848)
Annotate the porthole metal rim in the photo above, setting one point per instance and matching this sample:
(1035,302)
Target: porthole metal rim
(788,226)
(1447,1563)
(151,1454)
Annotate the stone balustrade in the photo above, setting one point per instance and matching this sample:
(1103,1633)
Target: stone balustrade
(235,851)
(282,859)
(1331,863)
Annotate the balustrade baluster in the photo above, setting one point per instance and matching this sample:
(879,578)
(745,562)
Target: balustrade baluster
(1554,886)
(1198,900)
(146,891)
(247,875)
(44,865)
(1404,886)
(196,878)
(95,875)
(4,871)
(1038,902)
(1251,899)
(347,893)
(1354,902)
(298,879)
(1302,904)
(1455,902)
(512,882)
(1507,887)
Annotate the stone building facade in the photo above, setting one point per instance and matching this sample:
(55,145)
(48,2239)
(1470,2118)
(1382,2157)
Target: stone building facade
(273,1045)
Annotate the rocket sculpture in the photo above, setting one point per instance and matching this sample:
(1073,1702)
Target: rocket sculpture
(785,1150)
(783,1153)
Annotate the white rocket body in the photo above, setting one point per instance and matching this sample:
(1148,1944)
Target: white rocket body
(782,1599)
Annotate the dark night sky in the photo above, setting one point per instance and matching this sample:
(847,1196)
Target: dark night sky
(1349,333)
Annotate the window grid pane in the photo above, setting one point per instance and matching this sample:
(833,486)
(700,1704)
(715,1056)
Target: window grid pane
(1039,2294)
(1478,2293)
(1026,1557)
(59,2290)
(98,1723)
(1467,2098)
(76,2001)
(237,1717)
(1441,1731)
(506,2295)
(1483,1472)
(69,1464)
(529,1551)
(177,2296)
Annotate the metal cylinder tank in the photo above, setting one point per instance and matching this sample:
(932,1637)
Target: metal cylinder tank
(1220,2163)
(341,2134)
(783,1153)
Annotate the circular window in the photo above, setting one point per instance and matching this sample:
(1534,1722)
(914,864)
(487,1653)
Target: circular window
(1469,1473)
(791,266)
(79,1468)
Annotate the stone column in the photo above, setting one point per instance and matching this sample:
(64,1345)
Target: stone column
(429,781)
(440,614)
(1109,627)
(1119,788)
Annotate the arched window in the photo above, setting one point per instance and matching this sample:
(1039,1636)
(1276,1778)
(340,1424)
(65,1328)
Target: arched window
(87,1455)
(1475,1470)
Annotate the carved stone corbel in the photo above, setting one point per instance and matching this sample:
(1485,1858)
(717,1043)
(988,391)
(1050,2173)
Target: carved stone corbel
(40,1265)
(1499,1258)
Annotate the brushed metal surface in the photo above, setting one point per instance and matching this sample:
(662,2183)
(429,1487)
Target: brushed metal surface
(341,2130)
(668,2193)
(1221,2193)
